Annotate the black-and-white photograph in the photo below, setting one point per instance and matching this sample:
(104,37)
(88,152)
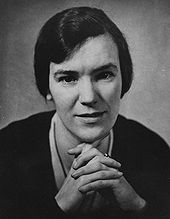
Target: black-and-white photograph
(84,109)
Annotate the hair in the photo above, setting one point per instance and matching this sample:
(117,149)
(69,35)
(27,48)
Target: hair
(66,31)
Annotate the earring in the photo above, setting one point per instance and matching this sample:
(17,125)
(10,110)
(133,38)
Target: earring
(49,97)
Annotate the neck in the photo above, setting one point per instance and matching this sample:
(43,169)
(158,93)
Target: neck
(65,141)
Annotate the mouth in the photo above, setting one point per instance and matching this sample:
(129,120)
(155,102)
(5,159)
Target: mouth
(91,115)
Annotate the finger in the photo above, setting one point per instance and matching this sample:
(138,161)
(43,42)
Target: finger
(91,168)
(100,175)
(76,150)
(81,148)
(109,162)
(86,157)
(97,185)
(86,148)
(86,171)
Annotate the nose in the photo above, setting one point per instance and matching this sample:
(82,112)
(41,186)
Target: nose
(87,92)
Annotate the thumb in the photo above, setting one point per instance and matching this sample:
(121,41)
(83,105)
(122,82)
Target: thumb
(76,150)
(81,148)
(86,147)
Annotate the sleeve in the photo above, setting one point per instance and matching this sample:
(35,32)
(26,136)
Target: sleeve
(145,159)
(14,201)
(152,180)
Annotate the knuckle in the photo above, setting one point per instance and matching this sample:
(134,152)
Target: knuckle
(90,187)
(101,183)
(99,166)
(98,158)
(95,151)
(81,180)
(79,158)
(82,171)
(114,172)
(113,162)
(86,147)
(116,182)
(102,175)
(116,163)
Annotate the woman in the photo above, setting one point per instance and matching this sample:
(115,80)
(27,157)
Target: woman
(82,160)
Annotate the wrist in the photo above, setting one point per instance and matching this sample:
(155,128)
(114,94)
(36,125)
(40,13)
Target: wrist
(139,204)
(127,197)
(61,203)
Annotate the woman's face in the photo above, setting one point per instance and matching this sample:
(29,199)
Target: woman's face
(86,89)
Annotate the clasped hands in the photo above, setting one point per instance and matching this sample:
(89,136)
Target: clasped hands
(92,171)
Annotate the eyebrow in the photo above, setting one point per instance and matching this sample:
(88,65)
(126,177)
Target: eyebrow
(103,67)
(63,72)
(100,68)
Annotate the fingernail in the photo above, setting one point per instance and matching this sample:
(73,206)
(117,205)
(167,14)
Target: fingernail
(73,175)
(81,189)
(120,173)
(70,150)
(75,164)
(119,164)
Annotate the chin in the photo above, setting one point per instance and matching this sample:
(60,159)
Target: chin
(91,136)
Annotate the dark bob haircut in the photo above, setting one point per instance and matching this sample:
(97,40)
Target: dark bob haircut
(66,31)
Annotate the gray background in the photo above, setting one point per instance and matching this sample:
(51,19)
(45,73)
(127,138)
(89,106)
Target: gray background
(146,25)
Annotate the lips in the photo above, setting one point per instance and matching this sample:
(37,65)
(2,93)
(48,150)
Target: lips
(91,115)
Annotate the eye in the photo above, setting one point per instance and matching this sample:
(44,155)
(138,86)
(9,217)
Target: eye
(105,75)
(68,79)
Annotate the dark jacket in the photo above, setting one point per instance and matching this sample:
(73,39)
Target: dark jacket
(27,185)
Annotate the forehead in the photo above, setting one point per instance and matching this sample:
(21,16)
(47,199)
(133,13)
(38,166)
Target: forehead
(95,52)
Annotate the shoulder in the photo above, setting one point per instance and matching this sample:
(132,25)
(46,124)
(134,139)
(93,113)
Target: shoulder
(135,131)
(136,143)
(145,159)
(39,119)
(25,130)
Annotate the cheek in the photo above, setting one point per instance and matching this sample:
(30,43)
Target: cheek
(111,93)
(116,94)
(61,104)
(64,98)
(114,102)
